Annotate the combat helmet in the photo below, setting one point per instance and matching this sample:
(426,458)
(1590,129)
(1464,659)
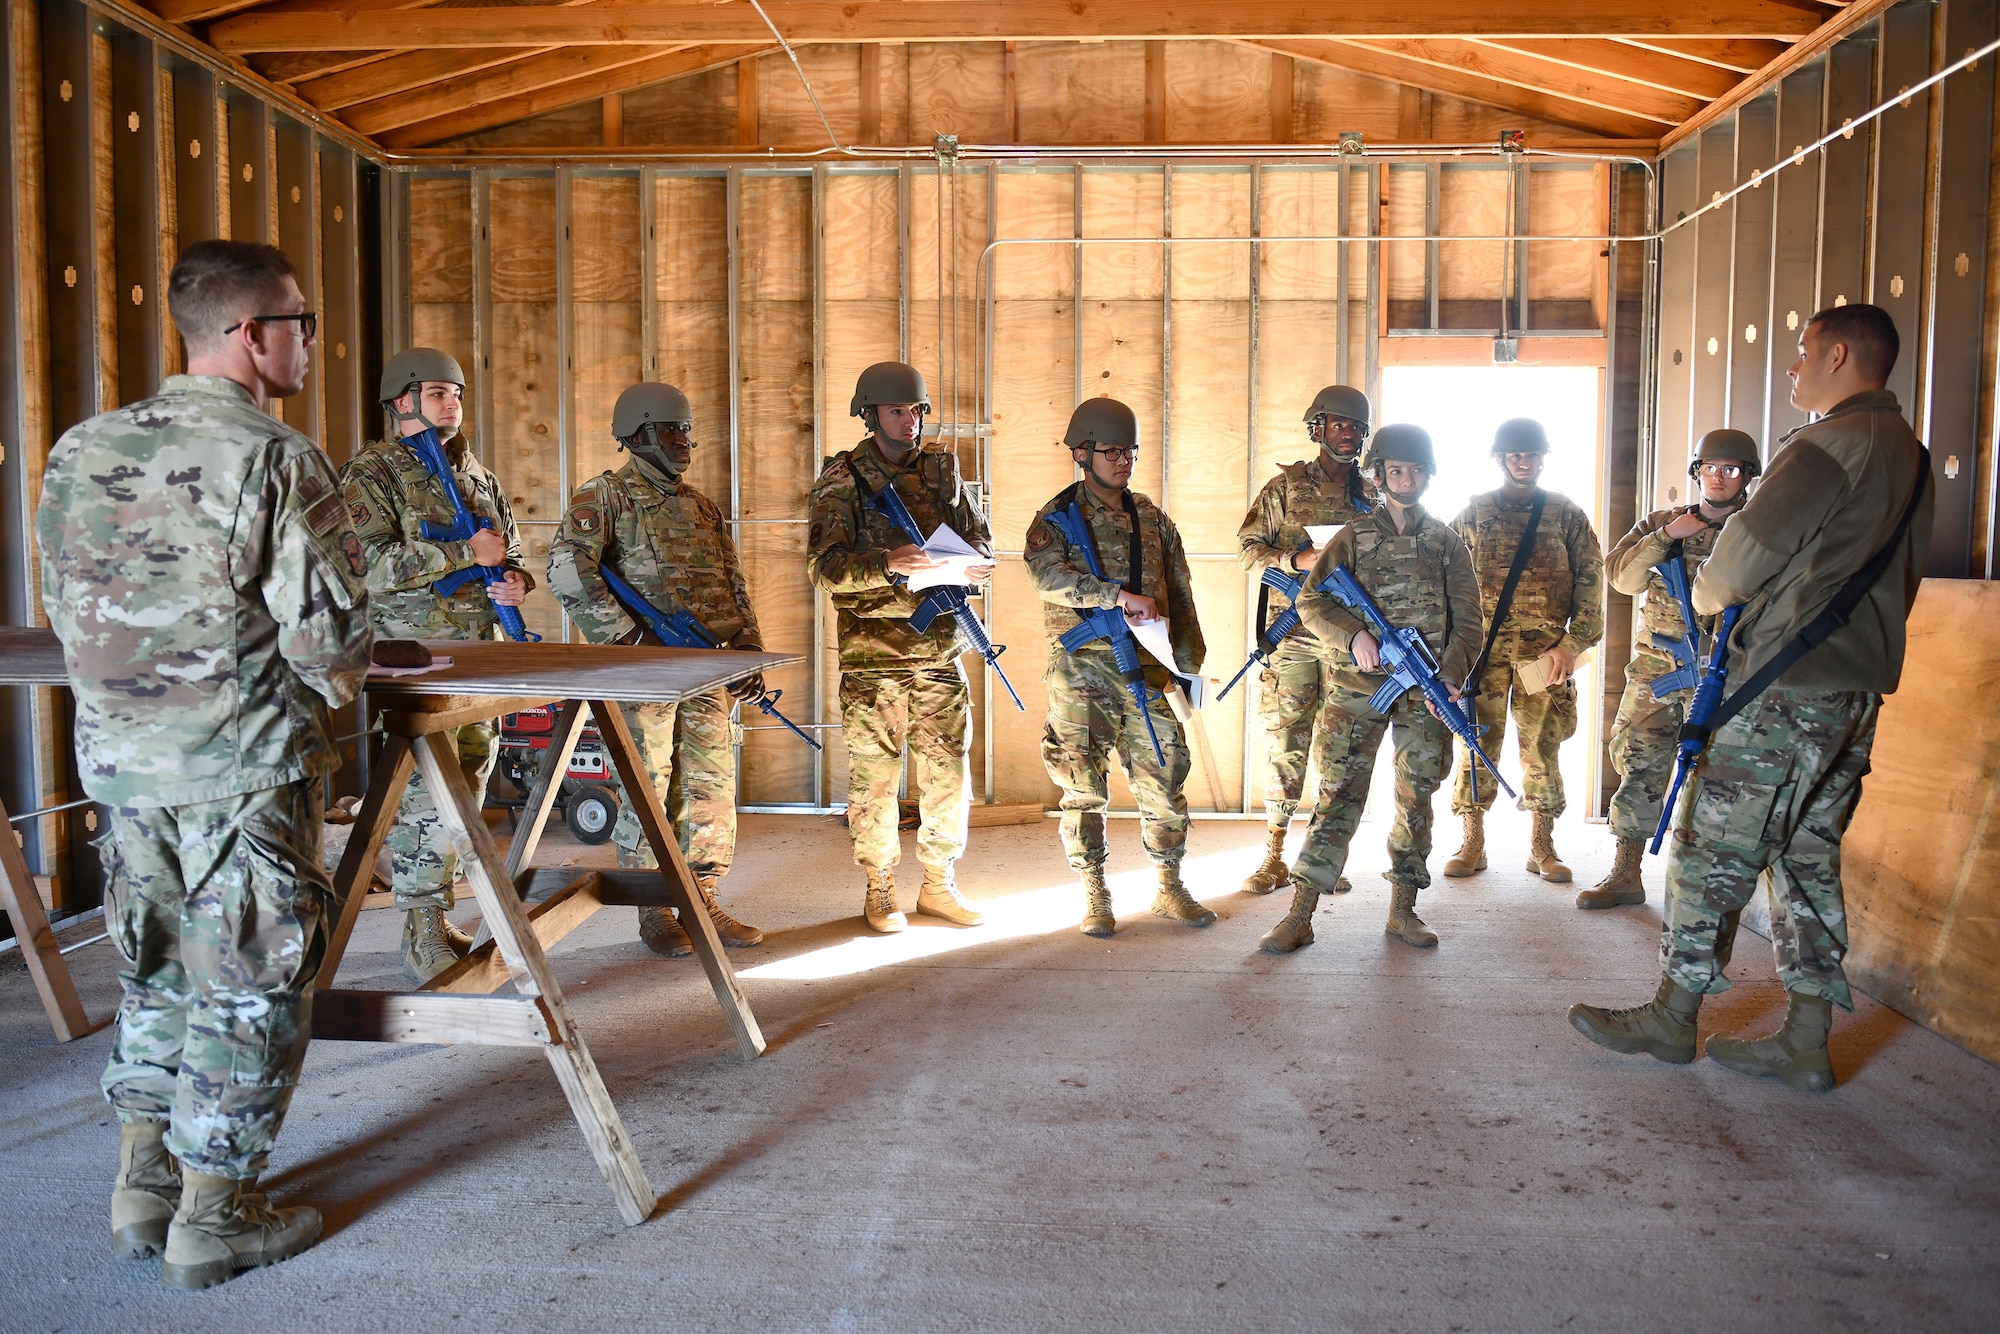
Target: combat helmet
(1402,442)
(1520,435)
(409,369)
(888,382)
(1338,400)
(1102,421)
(650,402)
(1726,446)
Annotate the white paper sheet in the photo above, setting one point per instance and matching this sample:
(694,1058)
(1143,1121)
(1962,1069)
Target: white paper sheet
(1322,533)
(957,556)
(1156,638)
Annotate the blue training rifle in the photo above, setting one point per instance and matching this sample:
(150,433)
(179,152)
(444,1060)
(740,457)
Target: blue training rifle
(1281,627)
(683,630)
(1107,624)
(430,452)
(1696,731)
(942,599)
(1684,648)
(1411,667)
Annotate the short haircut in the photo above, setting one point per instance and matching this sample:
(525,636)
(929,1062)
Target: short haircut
(216,283)
(1869,333)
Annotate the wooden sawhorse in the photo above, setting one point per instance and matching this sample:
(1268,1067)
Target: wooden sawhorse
(485,680)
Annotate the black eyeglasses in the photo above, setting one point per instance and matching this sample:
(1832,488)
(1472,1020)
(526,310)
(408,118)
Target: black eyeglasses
(1117,453)
(307,320)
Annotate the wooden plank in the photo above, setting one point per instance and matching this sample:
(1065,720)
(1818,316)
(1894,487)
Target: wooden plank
(1474,200)
(1564,201)
(1769,74)
(1156,93)
(589,1100)
(1546,104)
(591,88)
(1744,55)
(747,97)
(785,114)
(483,970)
(1223,91)
(1282,98)
(805,21)
(1433,351)
(395,74)
(676,878)
(871,94)
(998,815)
(957,88)
(1528,72)
(1657,69)
(21,901)
(404,1016)
(1921,864)
(493,83)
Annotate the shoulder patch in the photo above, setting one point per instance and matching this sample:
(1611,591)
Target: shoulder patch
(357,560)
(585,519)
(326,514)
(813,537)
(1040,536)
(358,514)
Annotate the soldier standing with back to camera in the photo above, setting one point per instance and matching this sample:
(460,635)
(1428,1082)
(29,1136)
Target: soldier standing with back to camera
(390,496)
(1842,521)
(1646,736)
(897,687)
(1327,489)
(198,567)
(1555,612)
(668,541)
(1418,572)
(1092,715)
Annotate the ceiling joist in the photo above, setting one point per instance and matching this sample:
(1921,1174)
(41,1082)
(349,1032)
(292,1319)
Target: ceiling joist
(501,83)
(1004,20)
(1534,75)
(1655,69)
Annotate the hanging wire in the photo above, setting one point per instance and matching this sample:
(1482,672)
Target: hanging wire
(792,56)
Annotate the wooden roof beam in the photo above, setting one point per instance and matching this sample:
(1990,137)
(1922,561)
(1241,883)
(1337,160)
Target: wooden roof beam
(399,74)
(1822,39)
(1535,75)
(1477,88)
(1656,69)
(658,69)
(1744,55)
(515,78)
(1001,20)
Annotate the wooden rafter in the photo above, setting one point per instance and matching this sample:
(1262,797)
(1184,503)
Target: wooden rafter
(1542,105)
(402,72)
(516,78)
(294,66)
(1824,38)
(1536,75)
(1001,20)
(471,120)
(1744,55)
(1656,69)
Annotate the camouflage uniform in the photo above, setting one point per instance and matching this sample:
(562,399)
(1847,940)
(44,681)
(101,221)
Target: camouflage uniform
(1646,736)
(1559,601)
(1422,579)
(1092,715)
(1294,680)
(389,496)
(198,565)
(669,542)
(898,688)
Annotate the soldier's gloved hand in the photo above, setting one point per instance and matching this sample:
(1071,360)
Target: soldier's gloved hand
(1138,607)
(1450,690)
(488,547)
(749,688)
(1367,653)
(1562,664)
(509,592)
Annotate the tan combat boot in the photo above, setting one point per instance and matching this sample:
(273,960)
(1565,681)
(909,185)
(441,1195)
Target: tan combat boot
(1273,871)
(1296,930)
(1623,885)
(459,943)
(1663,1030)
(662,933)
(940,898)
(878,904)
(1796,1053)
(1174,903)
(222,1228)
(1470,859)
(1542,859)
(146,1192)
(1403,920)
(426,950)
(732,932)
(1097,918)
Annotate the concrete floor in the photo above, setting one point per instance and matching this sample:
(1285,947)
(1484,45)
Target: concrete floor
(1017,1127)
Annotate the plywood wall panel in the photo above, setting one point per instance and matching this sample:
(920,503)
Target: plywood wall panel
(858,334)
(1328,102)
(861,236)
(441,239)
(954,88)
(1472,200)
(1406,215)
(1217,92)
(1034,391)
(1295,360)
(522,249)
(1570,202)
(1211,417)
(523,441)
(1018,773)
(700,109)
(1120,201)
(932,325)
(1211,202)
(604,238)
(1070,93)
(608,348)
(1121,356)
(777,766)
(1218,593)
(1299,202)
(1034,203)
(785,114)
(691,288)
(776,224)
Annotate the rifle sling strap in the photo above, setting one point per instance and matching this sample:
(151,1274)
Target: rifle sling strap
(1837,611)
(1506,601)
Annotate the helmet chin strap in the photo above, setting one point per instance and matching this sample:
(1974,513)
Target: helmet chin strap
(871,417)
(416,414)
(1322,435)
(644,445)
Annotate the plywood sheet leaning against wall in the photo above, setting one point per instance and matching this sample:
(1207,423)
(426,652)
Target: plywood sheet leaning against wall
(1922,859)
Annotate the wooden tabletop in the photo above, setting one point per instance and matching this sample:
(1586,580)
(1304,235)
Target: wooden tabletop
(487,668)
